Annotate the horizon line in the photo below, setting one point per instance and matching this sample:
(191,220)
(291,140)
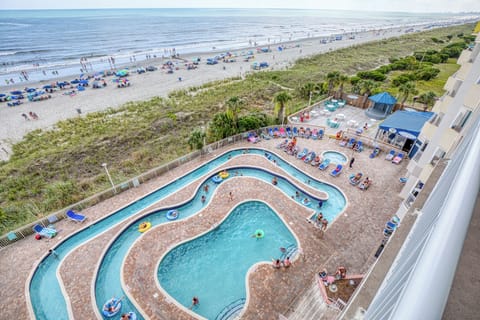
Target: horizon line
(239,8)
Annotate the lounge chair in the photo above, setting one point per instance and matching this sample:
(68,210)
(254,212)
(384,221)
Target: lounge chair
(283,134)
(75,216)
(276,132)
(374,153)
(309,157)
(270,132)
(365,184)
(308,133)
(359,146)
(398,158)
(265,136)
(316,161)
(335,172)
(44,232)
(355,179)
(295,132)
(315,134)
(320,134)
(282,144)
(252,137)
(324,165)
(302,154)
(350,143)
(289,132)
(390,155)
(293,151)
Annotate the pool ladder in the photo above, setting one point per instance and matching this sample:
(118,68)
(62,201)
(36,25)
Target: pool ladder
(232,311)
(290,251)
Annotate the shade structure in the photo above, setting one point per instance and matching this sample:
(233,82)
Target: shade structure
(384,98)
(406,123)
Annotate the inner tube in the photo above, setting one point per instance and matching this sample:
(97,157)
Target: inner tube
(172,215)
(114,303)
(144,226)
(259,234)
(223,174)
(217,179)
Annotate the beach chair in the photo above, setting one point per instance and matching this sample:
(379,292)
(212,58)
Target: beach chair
(374,153)
(359,146)
(365,184)
(320,134)
(398,158)
(282,144)
(302,154)
(72,215)
(324,165)
(289,132)
(308,133)
(283,134)
(350,142)
(44,232)
(355,178)
(265,136)
(276,132)
(390,155)
(295,132)
(336,172)
(316,161)
(309,157)
(270,132)
(315,134)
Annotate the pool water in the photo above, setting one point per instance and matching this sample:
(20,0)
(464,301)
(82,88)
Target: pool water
(335,157)
(214,266)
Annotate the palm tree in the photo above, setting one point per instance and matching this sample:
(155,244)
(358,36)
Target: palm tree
(196,139)
(234,105)
(367,86)
(406,90)
(280,101)
(428,99)
(342,79)
(332,78)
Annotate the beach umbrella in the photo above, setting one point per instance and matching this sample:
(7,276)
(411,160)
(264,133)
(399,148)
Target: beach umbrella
(47,86)
(122,73)
(75,81)
(83,82)
(2,95)
(16,92)
(30,90)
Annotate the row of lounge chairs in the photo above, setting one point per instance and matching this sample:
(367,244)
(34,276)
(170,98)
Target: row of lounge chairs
(290,132)
(356,180)
(352,144)
(395,157)
(50,231)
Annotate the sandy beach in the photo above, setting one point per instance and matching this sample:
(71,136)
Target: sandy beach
(157,83)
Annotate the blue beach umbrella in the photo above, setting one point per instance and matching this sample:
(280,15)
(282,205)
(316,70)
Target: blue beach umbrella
(30,90)
(83,82)
(75,81)
(48,86)
(122,73)
(16,92)
(2,95)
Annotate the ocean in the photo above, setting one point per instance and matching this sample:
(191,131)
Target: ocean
(43,43)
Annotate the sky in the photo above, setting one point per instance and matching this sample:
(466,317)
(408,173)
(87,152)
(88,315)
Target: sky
(364,5)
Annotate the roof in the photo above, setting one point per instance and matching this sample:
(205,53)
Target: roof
(384,97)
(406,121)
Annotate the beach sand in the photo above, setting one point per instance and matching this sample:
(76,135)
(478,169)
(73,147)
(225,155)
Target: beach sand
(157,83)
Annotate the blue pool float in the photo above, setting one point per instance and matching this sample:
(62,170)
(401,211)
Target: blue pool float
(217,179)
(172,215)
(114,303)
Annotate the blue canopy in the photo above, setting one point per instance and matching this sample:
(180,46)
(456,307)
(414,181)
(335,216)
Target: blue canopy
(384,97)
(406,121)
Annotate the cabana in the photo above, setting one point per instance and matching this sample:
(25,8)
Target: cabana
(402,128)
(382,106)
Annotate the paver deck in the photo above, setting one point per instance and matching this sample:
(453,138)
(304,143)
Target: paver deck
(351,240)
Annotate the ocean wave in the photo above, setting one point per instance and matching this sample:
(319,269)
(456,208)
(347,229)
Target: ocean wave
(15,24)
(7,53)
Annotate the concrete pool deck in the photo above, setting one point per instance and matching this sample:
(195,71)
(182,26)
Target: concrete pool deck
(350,241)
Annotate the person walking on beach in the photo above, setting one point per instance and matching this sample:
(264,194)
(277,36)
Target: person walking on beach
(351,162)
(25,116)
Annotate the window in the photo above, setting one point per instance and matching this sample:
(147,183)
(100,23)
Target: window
(439,154)
(461,120)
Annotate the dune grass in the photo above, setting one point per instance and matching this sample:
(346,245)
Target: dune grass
(51,169)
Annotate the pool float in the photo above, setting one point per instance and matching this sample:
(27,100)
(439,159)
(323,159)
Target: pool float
(112,307)
(144,226)
(172,214)
(223,174)
(306,202)
(131,316)
(217,179)
(259,234)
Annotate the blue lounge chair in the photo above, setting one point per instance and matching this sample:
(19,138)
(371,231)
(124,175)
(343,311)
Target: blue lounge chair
(335,172)
(276,133)
(390,155)
(75,216)
(309,157)
(324,165)
(302,154)
(374,153)
(315,134)
(355,178)
(350,142)
(270,132)
(295,132)
(398,158)
(359,146)
(44,232)
(320,134)
(289,132)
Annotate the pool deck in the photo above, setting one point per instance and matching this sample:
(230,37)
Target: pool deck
(350,241)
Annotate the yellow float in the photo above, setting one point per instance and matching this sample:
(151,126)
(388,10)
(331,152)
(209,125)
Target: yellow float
(223,174)
(144,226)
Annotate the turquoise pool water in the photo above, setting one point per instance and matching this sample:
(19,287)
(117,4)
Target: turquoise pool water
(53,306)
(335,157)
(214,266)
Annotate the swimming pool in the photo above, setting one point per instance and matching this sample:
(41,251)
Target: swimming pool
(335,157)
(225,254)
(53,305)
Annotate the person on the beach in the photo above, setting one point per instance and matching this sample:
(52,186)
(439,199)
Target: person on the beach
(231,195)
(287,263)
(276,263)
(324,224)
(25,116)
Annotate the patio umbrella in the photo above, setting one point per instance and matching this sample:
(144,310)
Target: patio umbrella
(407,135)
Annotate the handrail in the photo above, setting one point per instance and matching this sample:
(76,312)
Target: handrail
(231,309)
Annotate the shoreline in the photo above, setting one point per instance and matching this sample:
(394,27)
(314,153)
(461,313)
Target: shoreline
(158,83)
